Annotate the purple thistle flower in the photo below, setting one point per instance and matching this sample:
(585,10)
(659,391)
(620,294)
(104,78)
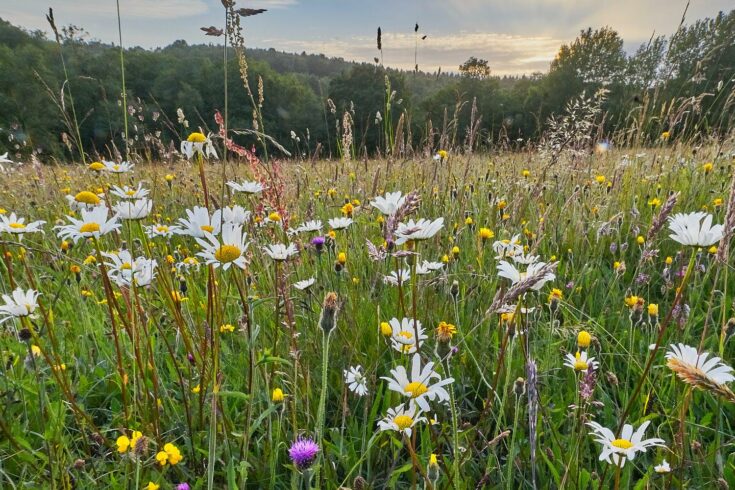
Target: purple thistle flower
(183,486)
(303,452)
(318,242)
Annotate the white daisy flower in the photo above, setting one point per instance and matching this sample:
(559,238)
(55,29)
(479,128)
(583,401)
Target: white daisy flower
(508,248)
(84,200)
(710,367)
(403,337)
(524,259)
(227,252)
(198,224)
(247,187)
(94,223)
(187,264)
(509,271)
(204,148)
(356,381)
(389,204)
(625,447)
(124,271)
(17,226)
(398,277)
(339,223)
(419,387)
(580,362)
(118,168)
(662,468)
(427,267)
(422,229)
(308,227)
(21,303)
(159,230)
(138,209)
(231,214)
(695,229)
(279,251)
(126,192)
(305,284)
(401,419)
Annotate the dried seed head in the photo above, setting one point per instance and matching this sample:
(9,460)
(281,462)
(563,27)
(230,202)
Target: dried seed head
(328,318)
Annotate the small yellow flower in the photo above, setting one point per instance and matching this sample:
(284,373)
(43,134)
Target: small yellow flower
(600,179)
(162,457)
(640,240)
(468,220)
(96,166)
(169,178)
(227,328)
(380,220)
(332,192)
(196,389)
(665,135)
(347,209)
(173,453)
(433,463)
(616,265)
(445,331)
(717,202)
(556,294)
(707,167)
(385,329)
(152,486)
(669,260)
(501,205)
(35,350)
(123,444)
(442,154)
(455,251)
(332,234)
(712,249)
(486,233)
(342,258)
(274,216)
(652,309)
(445,259)
(526,173)
(75,269)
(277,395)
(655,202)
(584,339)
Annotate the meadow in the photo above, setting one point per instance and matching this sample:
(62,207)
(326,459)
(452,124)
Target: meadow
(202,323)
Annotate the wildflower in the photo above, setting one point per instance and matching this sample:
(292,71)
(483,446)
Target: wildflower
(197,143)
(625,447)
(277,396)
(196,389)
(665,136)
(127,192)
(303,452)
(401,419)
(152,486)
(281,252)
(662,468)
(159,230)
(169,178)
(427,267)
(652,310)
(125,271)
(697,369)
(385,329)
(403,336)
(526,173)
(342,258)
(640,240)
(669,260)
(118,168)
(137,209)
(94,223)
(83,200)
(707,167)
(600,179)
(469,221)
(20,304)
(486,234)
(162,458)
(340,223)
(226,328)
(124,443)
(328,316)
(96,166)
(231,214)
(397,278)
(355,380)
(580,362)
(305,284)
(419,387)
(654,202)
(555,295)
(418,230)
(388,204)
(509,271)
(583,339)
(198,224)
(695,229)
(445,331)
(17,226)
(227,252)
(347,209)
(441,155)
(309,226)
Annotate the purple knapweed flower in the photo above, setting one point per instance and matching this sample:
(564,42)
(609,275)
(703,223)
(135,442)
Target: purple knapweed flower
(303,452)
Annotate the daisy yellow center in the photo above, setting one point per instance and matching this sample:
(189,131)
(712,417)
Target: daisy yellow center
(208,228)
(406,334)
(130,193)
(17,226)
(116,167)
(622,444)
(416,389)
(89,227)
(87,198)
(403,422)
(162,228)
(580,365)
(227,253)
(126,266)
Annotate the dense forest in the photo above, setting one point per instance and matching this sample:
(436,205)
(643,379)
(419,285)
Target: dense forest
(682,84)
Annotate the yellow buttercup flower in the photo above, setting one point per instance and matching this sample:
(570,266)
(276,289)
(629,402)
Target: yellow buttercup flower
(277,395)
(707,167)
(584,339)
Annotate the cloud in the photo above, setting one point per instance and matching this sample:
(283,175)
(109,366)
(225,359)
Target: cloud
(506,54)
(147,9)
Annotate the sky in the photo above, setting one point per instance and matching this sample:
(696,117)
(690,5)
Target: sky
(515,36)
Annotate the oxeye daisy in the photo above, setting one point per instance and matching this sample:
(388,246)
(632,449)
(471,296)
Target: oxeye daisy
(694,229)
(422,229)
(309,226)
(618,450)
(424,384)
(305,284)
(246,187)
(159,230)
(137,209)
(228,251)
(397,278)
(231,214)
(662,468)
(509,271)
(94,223)
(508,248)
(402,419)
(124,271)
(118,168)
(197,143)
(340,223)
(355,380)
(198,223)
(403,335)
(427,267)
(580,362)
(126,192)
(698,369)
(17,226)
(389,204)
(84,200)
(281,252)
(19,304)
